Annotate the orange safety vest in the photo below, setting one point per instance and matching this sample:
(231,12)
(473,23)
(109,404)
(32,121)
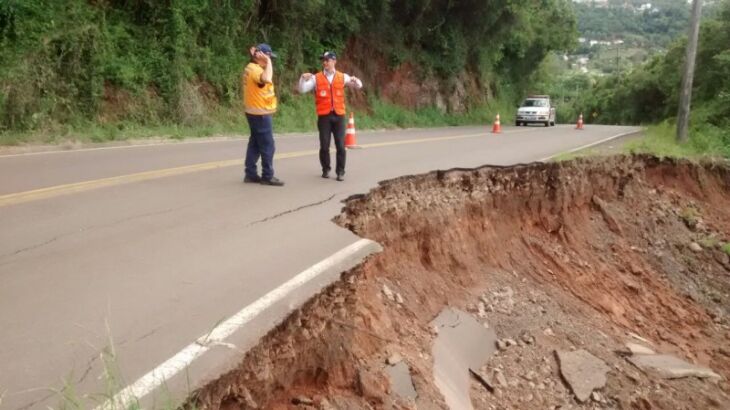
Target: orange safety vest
(330,97)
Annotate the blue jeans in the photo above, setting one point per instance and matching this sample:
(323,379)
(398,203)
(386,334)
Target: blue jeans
(260,144)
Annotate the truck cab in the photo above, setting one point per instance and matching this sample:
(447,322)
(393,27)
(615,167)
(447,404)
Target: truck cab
(536,109)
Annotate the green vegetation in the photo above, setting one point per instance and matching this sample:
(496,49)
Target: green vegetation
(726,248)
(661,140)
(70,398)
(115,69)
(649,94)
(653,28)
(623,34)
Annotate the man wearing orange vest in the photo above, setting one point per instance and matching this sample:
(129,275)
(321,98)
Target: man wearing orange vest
(259,101)
(329,97)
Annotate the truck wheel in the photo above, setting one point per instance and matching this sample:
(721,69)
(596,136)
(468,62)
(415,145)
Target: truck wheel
(547,123)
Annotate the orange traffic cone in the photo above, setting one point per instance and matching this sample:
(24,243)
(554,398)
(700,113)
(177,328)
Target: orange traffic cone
(350,138)
(497,126)
(579,125)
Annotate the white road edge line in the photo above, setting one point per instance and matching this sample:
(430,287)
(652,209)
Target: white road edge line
(180,361)
(591,144)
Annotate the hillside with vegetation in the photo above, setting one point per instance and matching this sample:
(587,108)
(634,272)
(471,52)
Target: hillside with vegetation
(109,69)
(646,23)
(617,36)
(649,93)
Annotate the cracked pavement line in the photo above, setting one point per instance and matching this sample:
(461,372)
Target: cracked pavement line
(85,229)
(268,218)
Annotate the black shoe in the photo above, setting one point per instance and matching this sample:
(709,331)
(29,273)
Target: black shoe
(340,177)
(252,180)
(325,174)
(273,182)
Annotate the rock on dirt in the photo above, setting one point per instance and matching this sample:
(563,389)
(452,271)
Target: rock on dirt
(394,359)
(635,349)
(670,367)
(583,372)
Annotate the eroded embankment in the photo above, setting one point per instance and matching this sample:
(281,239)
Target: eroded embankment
(553,257)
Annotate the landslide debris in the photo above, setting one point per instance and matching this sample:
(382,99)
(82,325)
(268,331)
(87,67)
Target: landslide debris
(591,263)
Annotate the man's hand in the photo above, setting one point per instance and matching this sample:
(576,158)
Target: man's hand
(307,76)
(354,83)
(259,55)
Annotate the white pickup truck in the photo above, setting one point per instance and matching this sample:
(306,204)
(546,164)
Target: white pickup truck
(536,109)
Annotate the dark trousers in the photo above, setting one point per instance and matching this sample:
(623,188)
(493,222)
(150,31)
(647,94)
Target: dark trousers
(260,144)
(332,125)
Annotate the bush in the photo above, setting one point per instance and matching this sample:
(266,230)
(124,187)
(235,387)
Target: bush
(156,64)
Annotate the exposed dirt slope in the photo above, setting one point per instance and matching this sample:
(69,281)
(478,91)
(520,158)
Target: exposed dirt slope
(555,256)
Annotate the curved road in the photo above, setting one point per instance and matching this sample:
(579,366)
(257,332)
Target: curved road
(139,251)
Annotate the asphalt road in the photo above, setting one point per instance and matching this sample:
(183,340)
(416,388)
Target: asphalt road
(141,250)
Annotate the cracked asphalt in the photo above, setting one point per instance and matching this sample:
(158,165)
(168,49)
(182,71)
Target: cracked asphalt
(149,266)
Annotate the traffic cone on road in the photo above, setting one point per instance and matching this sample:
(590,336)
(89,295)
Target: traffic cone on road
(579,125)
(350,138)
(496,127)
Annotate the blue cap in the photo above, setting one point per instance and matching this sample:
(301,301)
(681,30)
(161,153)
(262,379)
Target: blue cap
(266,49)
(329,55)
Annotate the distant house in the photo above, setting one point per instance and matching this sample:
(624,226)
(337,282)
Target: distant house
(581,40)
(599,42)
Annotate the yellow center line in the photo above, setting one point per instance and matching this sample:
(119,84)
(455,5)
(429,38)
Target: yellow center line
(58,190)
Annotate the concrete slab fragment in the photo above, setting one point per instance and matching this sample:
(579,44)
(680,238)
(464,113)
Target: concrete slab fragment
(401,381)
(670,367)
(583,372)
(462,344)
(636,349)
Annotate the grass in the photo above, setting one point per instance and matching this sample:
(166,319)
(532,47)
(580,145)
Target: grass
(690,216)
(709,242)
(660,140)
(726,248)
(70,398)
(219,122)
(296,114)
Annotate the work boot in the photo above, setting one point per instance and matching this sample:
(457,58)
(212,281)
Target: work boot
(273,182)
(252,180)
(325,174)
(340,177)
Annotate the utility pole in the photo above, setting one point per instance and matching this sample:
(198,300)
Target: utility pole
(685,91)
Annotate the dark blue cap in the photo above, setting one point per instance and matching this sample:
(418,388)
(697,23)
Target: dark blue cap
(266,49)
(329,55)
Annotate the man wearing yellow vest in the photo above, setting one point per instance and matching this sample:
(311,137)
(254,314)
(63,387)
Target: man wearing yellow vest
(329,97)
(259,101)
